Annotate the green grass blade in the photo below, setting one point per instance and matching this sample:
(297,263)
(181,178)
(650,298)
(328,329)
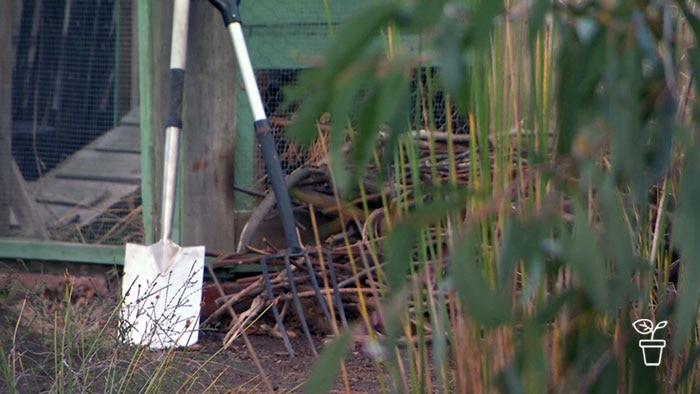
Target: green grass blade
(484,305)
(325,369)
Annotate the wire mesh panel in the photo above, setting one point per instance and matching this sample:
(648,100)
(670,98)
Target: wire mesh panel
(283,38)
(73,85)
(429,109)
(286,37)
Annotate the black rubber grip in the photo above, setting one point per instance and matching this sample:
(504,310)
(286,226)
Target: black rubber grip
(176,90)
(279,186)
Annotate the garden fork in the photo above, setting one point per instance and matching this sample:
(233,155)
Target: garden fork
(294,254)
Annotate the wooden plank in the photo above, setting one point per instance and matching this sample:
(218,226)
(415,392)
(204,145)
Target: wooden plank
(112,255)
(122,139)
(90,181)
(208,139)
(24,207)
(69,192)
(100,177)
(14,222)
(131,118)
(101,166)
(58,216)
(55,215)
(61,251)
(60,208)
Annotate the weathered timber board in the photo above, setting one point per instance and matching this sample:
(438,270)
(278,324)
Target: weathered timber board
(65,201)
(59,215)
(131,118)
(102,166)
(93,179)
(123,139)
(70,192)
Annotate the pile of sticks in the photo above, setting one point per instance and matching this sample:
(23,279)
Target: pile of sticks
(345,235)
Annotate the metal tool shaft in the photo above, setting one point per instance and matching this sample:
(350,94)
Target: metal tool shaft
(173,122)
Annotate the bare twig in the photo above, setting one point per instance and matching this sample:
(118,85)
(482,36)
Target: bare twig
(265,206)
(13,351)
(248,344)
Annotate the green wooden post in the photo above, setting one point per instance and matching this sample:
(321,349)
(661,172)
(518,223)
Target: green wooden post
(208,133)
(144,12)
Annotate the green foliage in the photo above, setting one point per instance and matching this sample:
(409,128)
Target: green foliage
(687,222)
(485,305)
(553,251)
(327,365)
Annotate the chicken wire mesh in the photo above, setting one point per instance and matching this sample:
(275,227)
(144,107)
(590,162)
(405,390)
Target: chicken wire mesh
(286,37)
(73,83)
(429,104)
(75,91)
(283,38)
(272,83)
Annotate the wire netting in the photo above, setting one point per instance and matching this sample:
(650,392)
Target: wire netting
(75,93)
(284,41)
(73,81)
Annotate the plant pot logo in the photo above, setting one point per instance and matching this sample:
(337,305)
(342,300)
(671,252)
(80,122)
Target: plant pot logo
(652,349)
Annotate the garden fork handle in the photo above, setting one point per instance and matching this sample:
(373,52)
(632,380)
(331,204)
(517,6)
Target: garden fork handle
(263,131)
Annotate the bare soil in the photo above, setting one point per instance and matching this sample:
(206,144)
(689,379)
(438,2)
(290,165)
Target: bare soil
(32,311)
(287,374)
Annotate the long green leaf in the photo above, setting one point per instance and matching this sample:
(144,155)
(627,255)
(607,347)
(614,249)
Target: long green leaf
(401,243)
(399,253)
(357,34)
(685,233)
(522,241)
(303,129)
(483,23)
(485,305)
(694,53)
(585,257)
(325,369)
(618,245)
(454,64)
(581,67)
(384,103)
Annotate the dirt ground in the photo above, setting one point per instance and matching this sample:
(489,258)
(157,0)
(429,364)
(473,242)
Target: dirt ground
(288,374)
(32,301)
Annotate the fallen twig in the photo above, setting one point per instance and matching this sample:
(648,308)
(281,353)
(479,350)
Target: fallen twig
(265,206)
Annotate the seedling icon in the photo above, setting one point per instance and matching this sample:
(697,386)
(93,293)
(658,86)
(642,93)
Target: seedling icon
(652,349)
